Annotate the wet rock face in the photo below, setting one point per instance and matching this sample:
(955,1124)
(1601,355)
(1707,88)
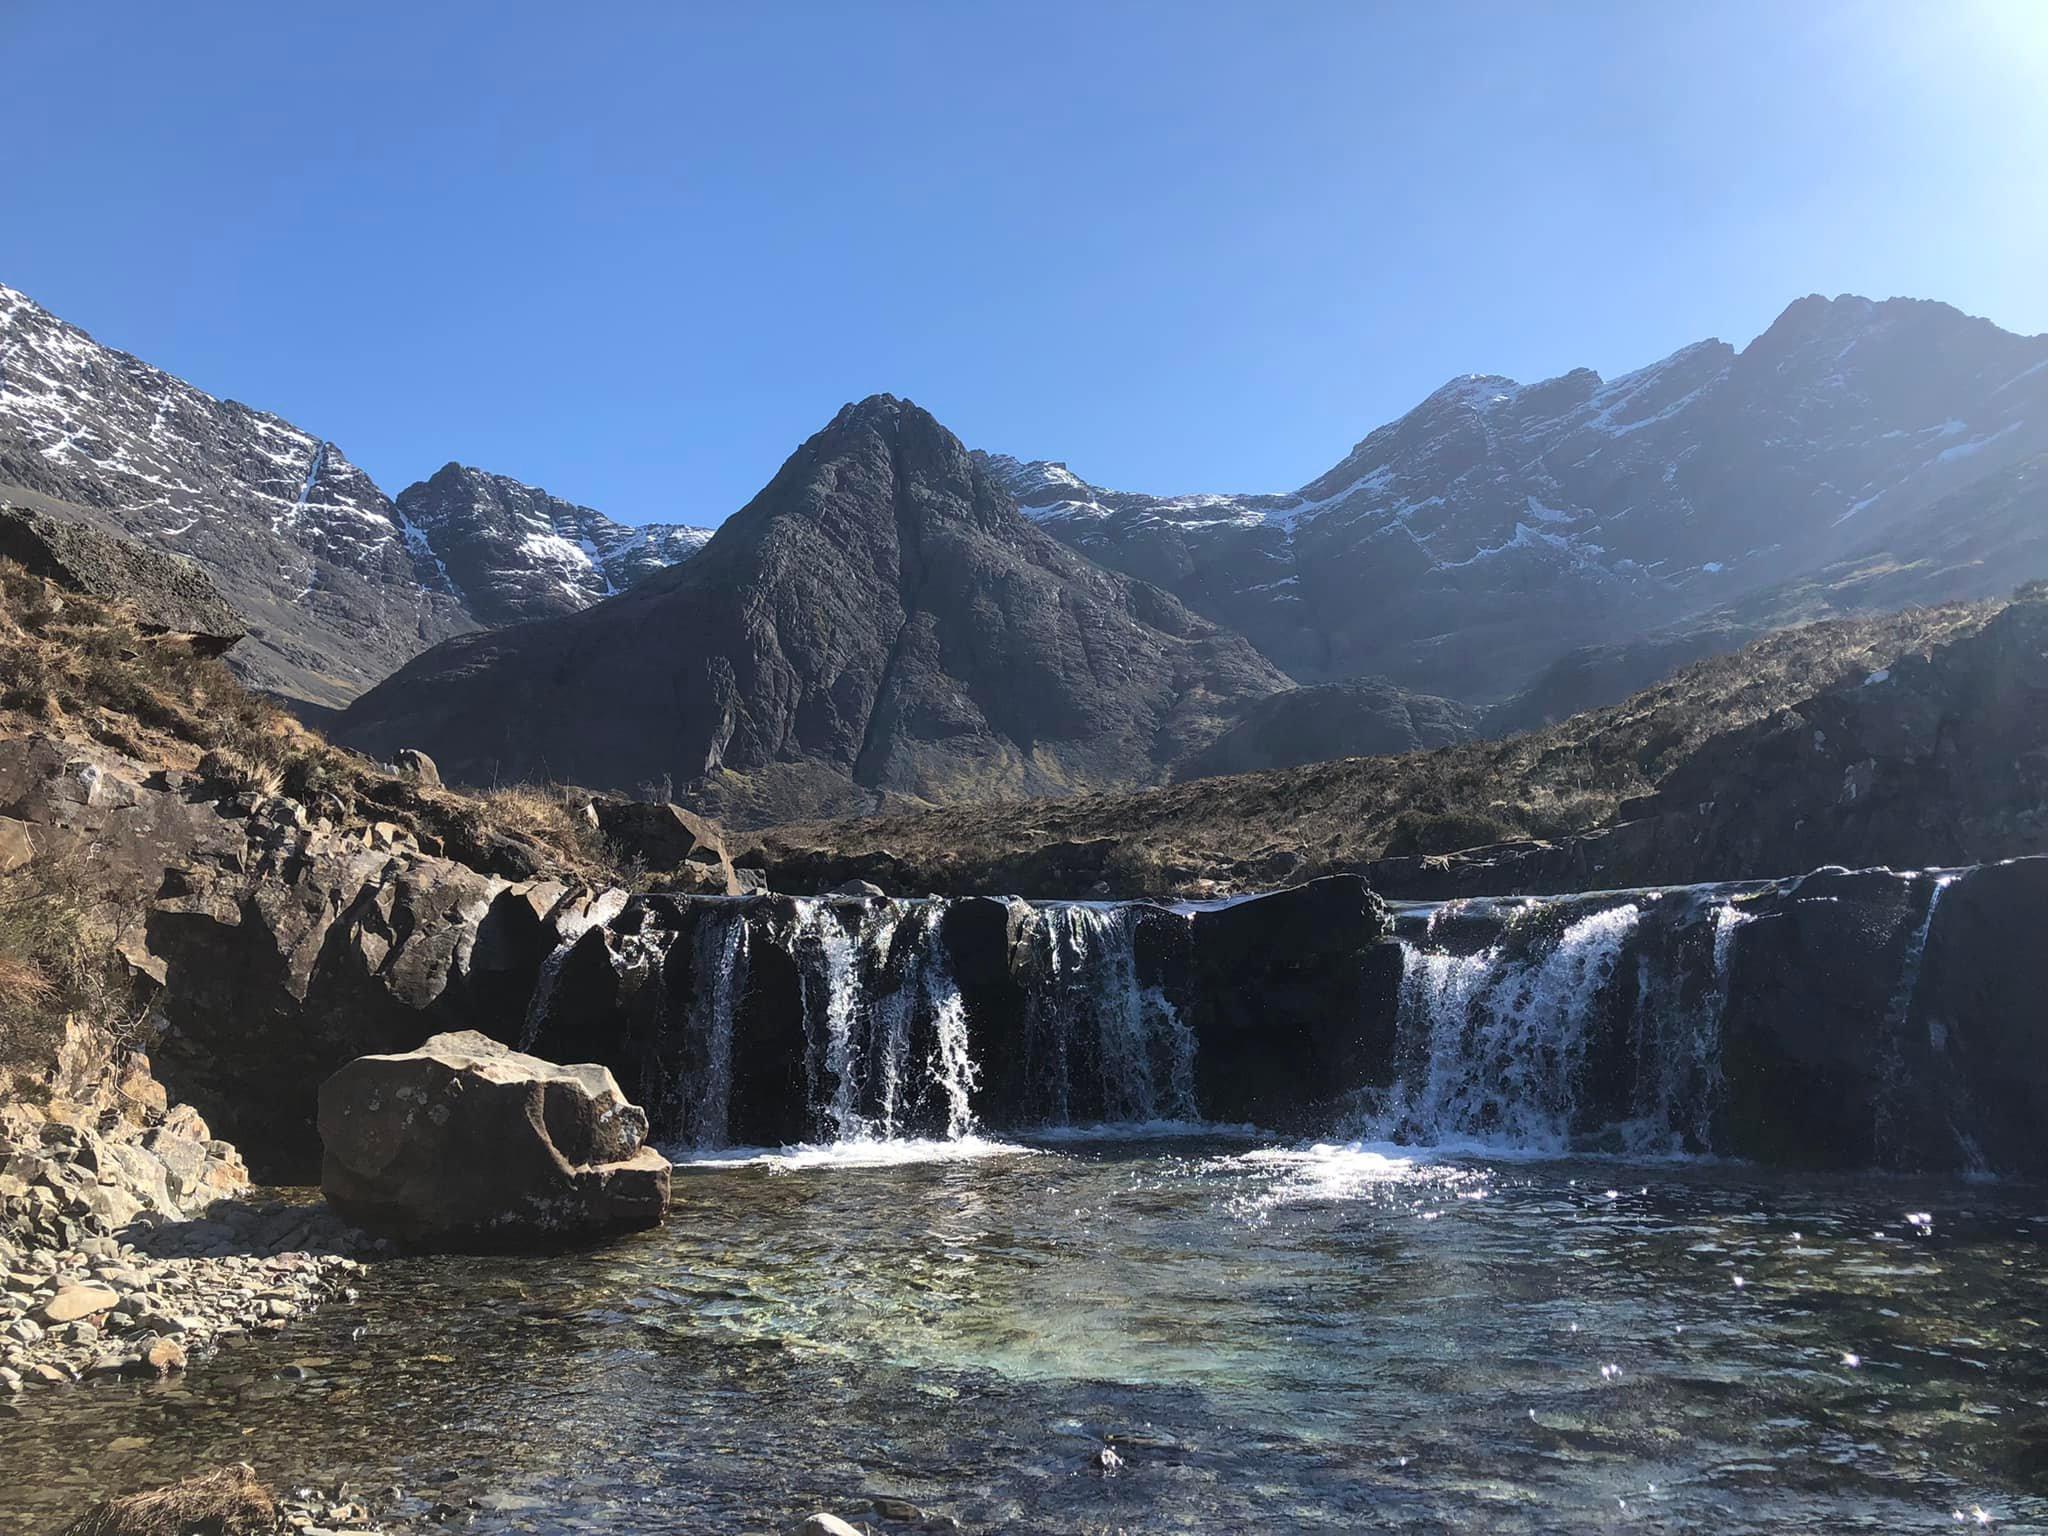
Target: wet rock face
(1976,1029)
(1292,998)
(467,1144)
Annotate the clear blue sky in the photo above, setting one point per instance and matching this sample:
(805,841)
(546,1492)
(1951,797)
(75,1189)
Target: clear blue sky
(636,252)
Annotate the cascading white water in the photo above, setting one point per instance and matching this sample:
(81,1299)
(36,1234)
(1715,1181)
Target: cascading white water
(831,993)
(719,980)
(1916,955)
(1898,1016)
(1499,1042)
(1102,1043)
(868,1079)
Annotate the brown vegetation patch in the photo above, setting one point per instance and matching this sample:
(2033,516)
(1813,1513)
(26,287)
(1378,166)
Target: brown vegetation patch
(1547,783)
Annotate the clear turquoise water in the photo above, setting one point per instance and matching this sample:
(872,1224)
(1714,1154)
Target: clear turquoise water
(1273,1339)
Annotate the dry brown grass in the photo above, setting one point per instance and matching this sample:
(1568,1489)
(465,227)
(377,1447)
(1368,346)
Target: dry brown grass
(553,815)
(226,1502)
(55,958)
(81,670)
(1548,783)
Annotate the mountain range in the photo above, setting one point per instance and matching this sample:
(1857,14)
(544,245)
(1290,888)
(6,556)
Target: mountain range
(340,583)
(1498,525)
(1502,555)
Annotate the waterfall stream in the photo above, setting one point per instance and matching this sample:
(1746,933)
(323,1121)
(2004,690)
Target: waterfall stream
(1552,1026)
(1101,1046)
(1495,1043)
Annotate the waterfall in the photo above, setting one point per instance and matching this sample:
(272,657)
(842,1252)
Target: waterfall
(830,970)
(1677,1025)
(1574,1028)
(887,1050)
(718,975)
(1499,1042)
(1895,1090)
(1101,1045)
(1901,1008)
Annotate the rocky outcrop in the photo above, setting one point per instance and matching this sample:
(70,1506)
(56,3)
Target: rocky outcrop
(1937,759)
(670,841)
(169,596)
(280,944)
(879,623)
(1292,997)
(465,1143)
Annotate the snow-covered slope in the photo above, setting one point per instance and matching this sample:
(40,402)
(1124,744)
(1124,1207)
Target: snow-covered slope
(1498,524)
(297,537)
(518,553)
(339,584)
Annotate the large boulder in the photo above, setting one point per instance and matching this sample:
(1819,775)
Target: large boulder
(466,1143)
(670,840)
(1292,998)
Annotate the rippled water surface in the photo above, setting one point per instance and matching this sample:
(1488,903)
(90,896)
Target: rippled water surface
(1325,1339)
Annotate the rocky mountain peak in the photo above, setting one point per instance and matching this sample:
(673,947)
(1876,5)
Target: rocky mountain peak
(1498,524)
(340,584)
(517,552)
(879,623)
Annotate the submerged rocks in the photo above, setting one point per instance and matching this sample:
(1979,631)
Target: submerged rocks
(466,1143)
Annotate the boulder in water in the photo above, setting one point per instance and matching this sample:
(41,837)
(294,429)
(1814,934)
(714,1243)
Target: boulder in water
(466,1143)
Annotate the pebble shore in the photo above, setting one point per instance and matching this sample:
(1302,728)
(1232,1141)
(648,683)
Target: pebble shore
(133,1252)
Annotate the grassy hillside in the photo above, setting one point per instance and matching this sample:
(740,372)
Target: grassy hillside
(1547,783)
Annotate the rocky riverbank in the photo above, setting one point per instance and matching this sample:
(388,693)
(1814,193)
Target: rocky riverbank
(132,1251)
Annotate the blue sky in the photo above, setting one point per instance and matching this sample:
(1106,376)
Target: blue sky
(636,252)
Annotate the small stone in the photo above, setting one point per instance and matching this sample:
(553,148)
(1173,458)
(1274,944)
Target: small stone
(898,1509)
(163,1356)
(49,1375)
(73,1302)
(822,1524)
